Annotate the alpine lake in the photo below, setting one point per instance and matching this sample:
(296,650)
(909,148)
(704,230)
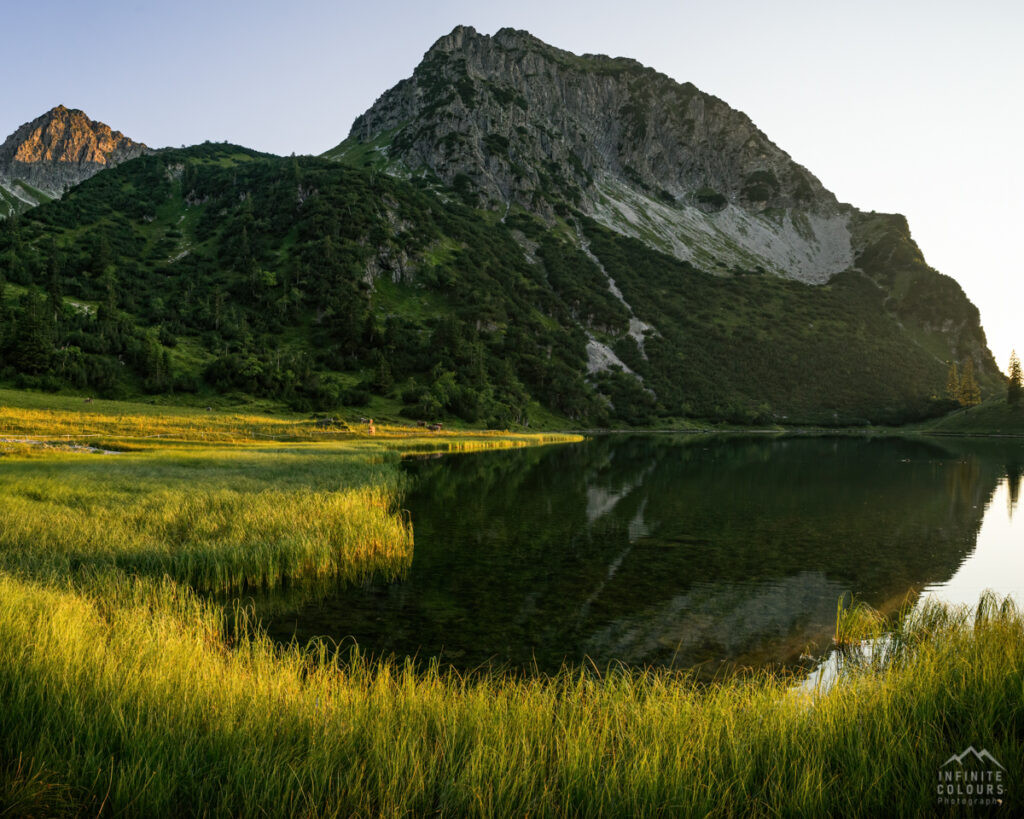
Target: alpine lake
(710,552)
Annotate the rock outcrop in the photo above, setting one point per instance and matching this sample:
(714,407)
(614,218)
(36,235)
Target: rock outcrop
(56,151)
(513,121)
(507,121)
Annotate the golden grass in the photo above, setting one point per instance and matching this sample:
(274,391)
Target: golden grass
(139,699)
(24,426)
(124,692)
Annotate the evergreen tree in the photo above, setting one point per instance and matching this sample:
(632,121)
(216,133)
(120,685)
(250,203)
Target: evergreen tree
(102,256)
(969,394)
(54,280)
(1013,387)
(953,382)
(33,348)
(382,380)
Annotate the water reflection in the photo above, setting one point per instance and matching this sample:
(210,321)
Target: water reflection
(997,561)
(675,550)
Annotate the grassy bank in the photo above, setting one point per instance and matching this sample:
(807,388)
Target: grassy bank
(136,699)
(994,417)
(218,521)
(30,422)
(125,691)
(200,499)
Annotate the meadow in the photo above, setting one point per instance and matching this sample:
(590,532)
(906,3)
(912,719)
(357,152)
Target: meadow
(135,698)
(127,689)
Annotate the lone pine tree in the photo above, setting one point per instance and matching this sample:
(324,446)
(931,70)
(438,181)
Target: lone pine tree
(1013,386)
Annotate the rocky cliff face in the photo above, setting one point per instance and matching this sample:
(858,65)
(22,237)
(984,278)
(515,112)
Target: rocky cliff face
(512,120)
(508,121)
(56,151)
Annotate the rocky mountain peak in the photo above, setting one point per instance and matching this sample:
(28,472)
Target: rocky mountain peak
(58,150)
(510,120)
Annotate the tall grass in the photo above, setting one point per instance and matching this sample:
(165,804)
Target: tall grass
(207,503)
(130,422)
(138,699)
(216,540)
(216,521)
(124,692)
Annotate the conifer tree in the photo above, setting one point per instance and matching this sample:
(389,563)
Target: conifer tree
(102,256)
(970,393)
(1013,386)
(383,380)
(953,382)
(34,342)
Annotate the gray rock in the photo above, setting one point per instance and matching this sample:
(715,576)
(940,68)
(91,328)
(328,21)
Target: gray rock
(472,94)
(58,150)
(510,120)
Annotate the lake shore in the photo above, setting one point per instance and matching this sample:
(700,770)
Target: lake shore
(125,691)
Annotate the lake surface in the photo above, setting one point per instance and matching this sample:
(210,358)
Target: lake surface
(680,550)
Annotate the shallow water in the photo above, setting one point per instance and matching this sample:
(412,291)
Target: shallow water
(680,550)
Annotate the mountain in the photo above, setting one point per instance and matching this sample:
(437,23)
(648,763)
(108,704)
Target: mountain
(459,254)
(45,157)
(518,121)
(509,121)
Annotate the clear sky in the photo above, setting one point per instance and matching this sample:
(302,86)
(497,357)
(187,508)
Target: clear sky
(902,106)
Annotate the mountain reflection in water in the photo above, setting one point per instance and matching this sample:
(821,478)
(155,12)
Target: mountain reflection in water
(669,550)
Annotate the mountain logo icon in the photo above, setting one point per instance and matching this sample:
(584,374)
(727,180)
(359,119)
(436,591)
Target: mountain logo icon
(972,753)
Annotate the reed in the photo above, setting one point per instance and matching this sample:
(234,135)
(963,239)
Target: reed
(138,698)
(217,521)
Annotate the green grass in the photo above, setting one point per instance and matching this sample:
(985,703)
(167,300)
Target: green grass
(35,193)
(126,689)
(208,499)
(9,204)
(174,709)
(218,521)
(363,154)
(11,291)
(28,418)
(994,417)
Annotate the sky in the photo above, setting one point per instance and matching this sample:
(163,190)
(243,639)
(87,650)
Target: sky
(900,106)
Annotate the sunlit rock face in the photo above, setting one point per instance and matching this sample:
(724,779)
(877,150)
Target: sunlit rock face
(57,151)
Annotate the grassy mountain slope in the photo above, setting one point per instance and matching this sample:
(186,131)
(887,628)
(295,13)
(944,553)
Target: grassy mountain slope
(218,269)
(18,196)
(508,120)
(994,417)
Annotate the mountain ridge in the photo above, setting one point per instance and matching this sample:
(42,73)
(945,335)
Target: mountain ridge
(587,289)
(514,121)
(642,154)
(44,157)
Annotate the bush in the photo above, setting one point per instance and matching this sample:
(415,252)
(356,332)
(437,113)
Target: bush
(710,198)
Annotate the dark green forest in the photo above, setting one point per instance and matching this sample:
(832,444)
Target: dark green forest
(218,270)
